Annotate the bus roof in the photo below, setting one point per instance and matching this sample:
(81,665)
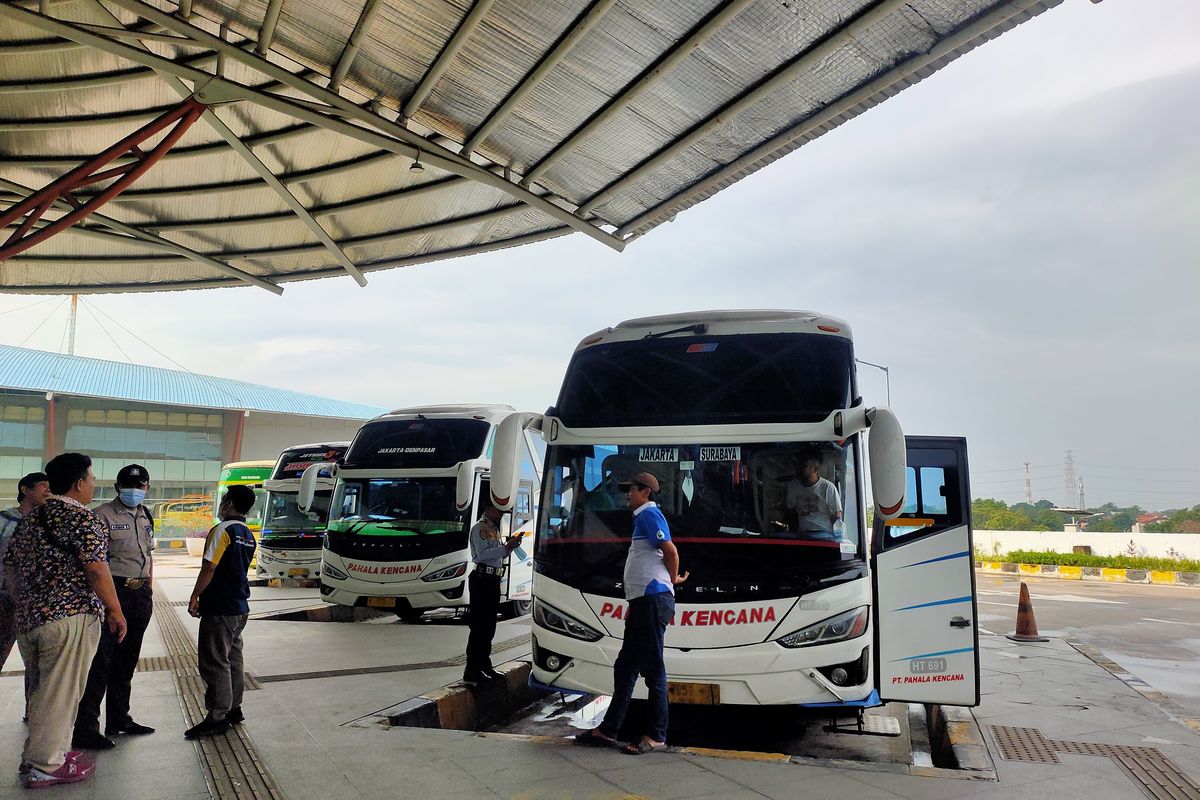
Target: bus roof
(248,464)
(315,446)
(288,468)
(492,412)
(724,322)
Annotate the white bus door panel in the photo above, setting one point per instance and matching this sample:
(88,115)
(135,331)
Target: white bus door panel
(518,577)
(927,642)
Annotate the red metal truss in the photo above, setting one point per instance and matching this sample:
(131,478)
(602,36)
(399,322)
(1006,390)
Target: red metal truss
(35,205)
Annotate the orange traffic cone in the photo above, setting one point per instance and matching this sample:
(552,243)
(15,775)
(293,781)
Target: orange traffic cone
(1026,625)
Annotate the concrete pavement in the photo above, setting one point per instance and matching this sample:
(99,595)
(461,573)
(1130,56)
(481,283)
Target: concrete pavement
(318,678)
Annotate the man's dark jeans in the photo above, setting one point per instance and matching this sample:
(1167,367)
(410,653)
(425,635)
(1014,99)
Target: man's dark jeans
(115,662)
(642,653)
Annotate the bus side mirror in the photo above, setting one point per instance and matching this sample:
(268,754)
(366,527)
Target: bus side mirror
(464,485)
(308,485)
(506,457)
(889,460)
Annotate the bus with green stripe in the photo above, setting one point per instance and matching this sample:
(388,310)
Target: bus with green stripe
(407,493)
(290,544)
(245,473)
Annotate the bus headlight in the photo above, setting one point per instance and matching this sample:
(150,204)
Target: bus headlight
(552,619)
(445,574)
(334,572)
(844,626)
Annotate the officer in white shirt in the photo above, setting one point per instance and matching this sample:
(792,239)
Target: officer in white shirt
(488,554)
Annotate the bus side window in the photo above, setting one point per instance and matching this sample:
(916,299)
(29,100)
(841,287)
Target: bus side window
(350,501)
(522,506)
(925,500)
(528,472)
(933,491)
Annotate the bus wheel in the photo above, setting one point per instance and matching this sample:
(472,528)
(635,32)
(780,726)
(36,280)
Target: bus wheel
(517,608)
(410,614)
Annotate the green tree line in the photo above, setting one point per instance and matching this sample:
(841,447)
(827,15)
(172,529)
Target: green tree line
(995,515)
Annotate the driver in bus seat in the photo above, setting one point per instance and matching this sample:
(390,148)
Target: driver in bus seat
(814,500)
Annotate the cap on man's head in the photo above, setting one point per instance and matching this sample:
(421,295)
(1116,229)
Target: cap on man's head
(132,475)
(644,478)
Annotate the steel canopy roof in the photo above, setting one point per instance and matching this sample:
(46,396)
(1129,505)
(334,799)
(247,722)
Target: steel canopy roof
(349,136)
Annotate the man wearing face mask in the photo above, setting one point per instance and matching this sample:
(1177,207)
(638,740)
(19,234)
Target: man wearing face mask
(130,529)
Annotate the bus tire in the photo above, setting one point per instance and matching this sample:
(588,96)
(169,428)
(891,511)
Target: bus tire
(410,615)
(517,608)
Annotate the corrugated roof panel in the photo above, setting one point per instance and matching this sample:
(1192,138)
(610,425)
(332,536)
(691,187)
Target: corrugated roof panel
(37,370)
(761,78)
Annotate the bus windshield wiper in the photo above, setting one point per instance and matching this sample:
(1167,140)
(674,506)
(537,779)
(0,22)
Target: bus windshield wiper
(699,327)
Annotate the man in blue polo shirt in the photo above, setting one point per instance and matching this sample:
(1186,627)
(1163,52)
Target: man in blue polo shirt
(651,573)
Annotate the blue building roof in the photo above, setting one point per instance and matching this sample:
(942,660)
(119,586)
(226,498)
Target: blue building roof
(36,370)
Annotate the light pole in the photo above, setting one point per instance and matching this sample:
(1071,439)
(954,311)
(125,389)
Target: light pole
(887,381)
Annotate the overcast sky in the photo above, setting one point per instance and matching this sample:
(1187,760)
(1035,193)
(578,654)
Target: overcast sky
(1017,238)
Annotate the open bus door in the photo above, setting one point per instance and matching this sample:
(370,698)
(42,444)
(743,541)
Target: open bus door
(926,633)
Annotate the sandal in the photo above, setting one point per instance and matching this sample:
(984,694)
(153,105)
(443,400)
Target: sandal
(643,747)
(593,738)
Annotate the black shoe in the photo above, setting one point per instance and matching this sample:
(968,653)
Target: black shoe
(130,727)
(91,740)
(209,727)
(475,676)
(492,675)
(235,716)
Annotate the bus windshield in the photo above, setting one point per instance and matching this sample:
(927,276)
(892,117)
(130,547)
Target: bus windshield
(751,521)
(283,514)
(414,505)
(708,380)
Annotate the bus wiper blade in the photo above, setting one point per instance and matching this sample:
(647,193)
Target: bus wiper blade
(699,327)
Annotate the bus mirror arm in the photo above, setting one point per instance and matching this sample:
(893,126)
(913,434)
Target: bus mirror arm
(889,462)
(308,484)
(464,484)
(506,457)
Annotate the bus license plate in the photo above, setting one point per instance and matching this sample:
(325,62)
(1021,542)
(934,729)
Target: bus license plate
(381,602)
(695,694)
(298,572)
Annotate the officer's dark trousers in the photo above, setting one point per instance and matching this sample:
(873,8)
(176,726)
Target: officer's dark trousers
(481,617)
(642,653)
(114,664)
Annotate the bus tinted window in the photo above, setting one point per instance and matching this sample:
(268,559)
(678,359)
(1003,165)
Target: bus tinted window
(282,513)
(417,443)
(708,380)
(766,518)
(293,462)
(424,505)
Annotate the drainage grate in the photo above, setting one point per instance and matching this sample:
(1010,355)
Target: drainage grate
(1151,771)
(1024,744)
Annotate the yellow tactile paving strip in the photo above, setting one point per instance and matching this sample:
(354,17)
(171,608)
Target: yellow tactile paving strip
(1157,776)
(231,764)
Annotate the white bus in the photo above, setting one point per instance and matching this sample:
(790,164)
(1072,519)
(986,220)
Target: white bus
(290,543)
(407,493)
(787,603)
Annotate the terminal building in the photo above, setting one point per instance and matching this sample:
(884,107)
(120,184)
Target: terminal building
(182,426)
